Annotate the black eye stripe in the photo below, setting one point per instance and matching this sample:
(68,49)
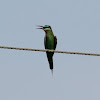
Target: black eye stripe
(47,27)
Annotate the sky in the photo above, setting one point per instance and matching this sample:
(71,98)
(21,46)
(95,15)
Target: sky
(25,75)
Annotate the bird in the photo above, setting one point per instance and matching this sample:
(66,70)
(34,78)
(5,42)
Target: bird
(50,42)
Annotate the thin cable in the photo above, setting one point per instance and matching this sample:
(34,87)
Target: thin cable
(44,50)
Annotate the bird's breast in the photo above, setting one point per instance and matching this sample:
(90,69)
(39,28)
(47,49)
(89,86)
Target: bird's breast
(50,42)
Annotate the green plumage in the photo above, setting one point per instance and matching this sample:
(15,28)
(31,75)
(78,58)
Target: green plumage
(50,42)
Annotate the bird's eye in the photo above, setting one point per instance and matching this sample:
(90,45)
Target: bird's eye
(49,27)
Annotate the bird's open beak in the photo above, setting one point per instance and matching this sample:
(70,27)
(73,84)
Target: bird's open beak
(40,27)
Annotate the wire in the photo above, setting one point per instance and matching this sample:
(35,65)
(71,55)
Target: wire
(44,50)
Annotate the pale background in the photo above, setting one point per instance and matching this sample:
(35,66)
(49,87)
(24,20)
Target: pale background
(25,75)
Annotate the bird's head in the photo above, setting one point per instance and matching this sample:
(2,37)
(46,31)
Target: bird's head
(45,28)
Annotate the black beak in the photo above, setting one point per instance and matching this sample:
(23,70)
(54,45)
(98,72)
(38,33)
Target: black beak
(40,27)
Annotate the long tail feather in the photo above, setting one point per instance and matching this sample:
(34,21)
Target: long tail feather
(52,71)
(51,64)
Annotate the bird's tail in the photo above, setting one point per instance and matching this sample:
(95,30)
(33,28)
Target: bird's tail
(52,71)
(51,64)
(50,60)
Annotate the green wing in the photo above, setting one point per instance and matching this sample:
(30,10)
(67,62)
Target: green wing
(55,42)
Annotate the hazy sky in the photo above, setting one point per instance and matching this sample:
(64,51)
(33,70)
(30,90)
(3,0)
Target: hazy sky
(25,75)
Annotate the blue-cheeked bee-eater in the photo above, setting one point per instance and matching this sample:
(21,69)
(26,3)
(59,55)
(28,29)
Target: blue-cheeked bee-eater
(50,42)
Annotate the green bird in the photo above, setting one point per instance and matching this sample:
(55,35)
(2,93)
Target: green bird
(50,42)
